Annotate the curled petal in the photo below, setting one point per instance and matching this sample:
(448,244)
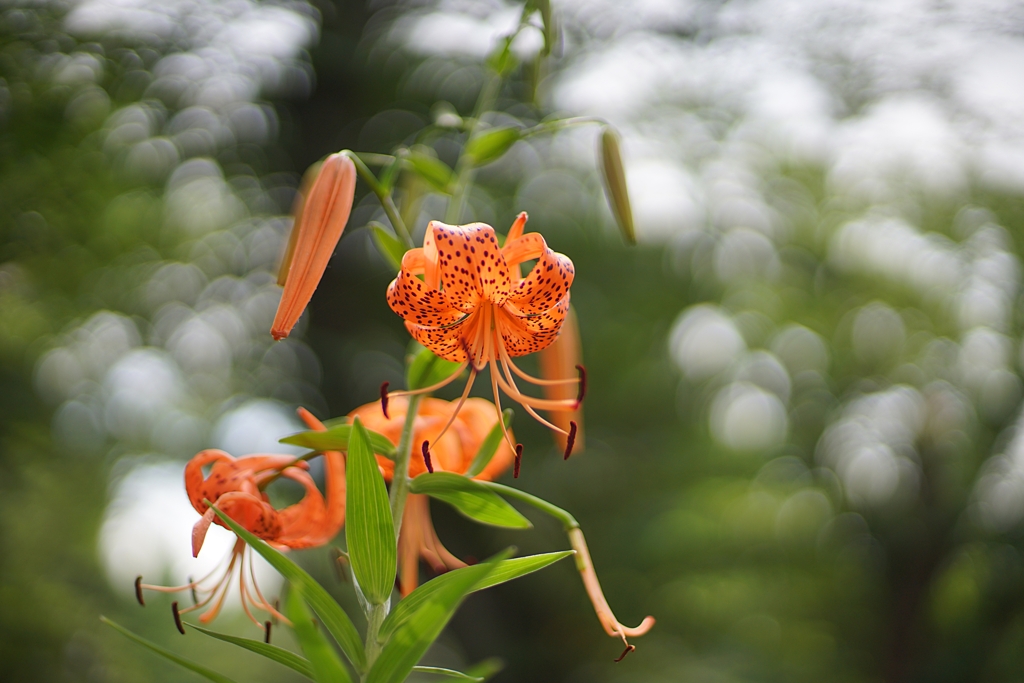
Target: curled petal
(319,226)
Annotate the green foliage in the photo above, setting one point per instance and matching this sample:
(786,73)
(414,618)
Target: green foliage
(326,665)
(369,529)
(437,173)
(491,144)
(272,652)
(387,244)
(336,438)
(423,625)
(426,369)
(446,673)
(332,615)
(506,570)
(490,445)
(472,499)
(184,663)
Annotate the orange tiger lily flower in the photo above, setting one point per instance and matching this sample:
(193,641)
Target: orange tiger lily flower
(320,218)
(466,299)
(236,486)
(452,451)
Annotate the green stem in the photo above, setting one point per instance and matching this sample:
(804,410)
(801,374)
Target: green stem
(400,479)
(557,125)
(464,167)
(383,195)
(374,618)
(567,520)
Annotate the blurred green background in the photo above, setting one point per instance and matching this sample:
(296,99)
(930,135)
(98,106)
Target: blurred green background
(803,448)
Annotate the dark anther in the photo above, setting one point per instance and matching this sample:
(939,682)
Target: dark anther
(629,648)
(277,608)
(266,632)
(384,399)
(177,617)
(426,457)
(570,440)
(519,461)
(192,587)
(583,384)
(138,591)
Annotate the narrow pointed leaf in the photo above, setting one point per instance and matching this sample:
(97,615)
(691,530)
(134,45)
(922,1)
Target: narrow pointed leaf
(490,445)
(427,369)
(505,571)
(470,498)
(369,529)
(208,674)
(411,640)
(492,144)
(437,173)
(388,245)
(614,175)
(486,669)
(447,673)
(324,661)
(271,652)
(329,611)
(336,439)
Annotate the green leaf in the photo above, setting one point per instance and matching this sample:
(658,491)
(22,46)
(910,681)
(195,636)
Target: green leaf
(470,498)
(422,627)
(326,665)
(336,439)
(433,170)
(487,668)
(272,652)
(427,369)
(492,144)
(501,60)
(447,673)
(208,674)
(505,571)
(332,615)
(490,445)
(387,244)
(614,176)
(389,173)
(369,529)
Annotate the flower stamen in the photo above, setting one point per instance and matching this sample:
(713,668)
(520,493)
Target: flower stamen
(177,617)
(570,440)
(426,457)
(384,399)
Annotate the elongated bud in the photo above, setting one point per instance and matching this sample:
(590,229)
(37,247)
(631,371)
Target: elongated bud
(318,227)
(614,176)
(561,360)
(308,178)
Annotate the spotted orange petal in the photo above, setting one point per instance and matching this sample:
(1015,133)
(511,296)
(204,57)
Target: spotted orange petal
(473,269)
